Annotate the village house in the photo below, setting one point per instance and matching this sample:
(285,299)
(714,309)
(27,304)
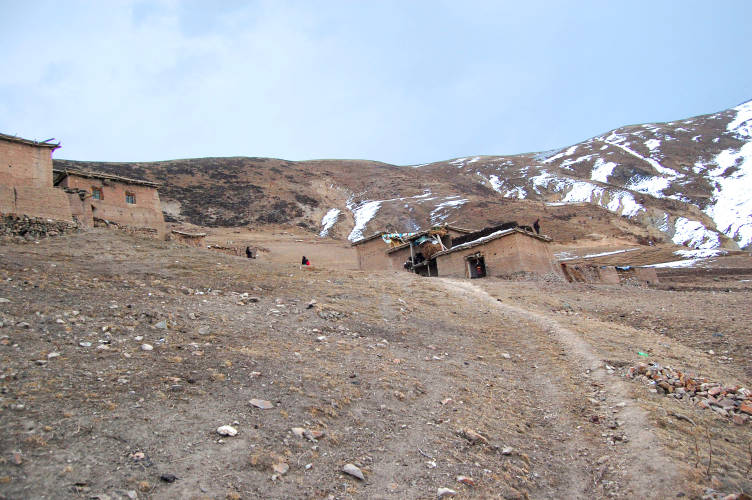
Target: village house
(26,186)
(450,251)
(31,187)
(501,252)
(389,251)
(97,197)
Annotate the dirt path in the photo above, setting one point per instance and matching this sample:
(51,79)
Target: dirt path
(641,457)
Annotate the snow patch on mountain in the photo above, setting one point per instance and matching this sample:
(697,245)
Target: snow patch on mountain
(624,203)
(441,212)
(328,221)
(362,213)
(567,163)
(516,192)
(569,152)
(615,139)
(653,186)
(496,183)
(652,144)
(694,235)
(602,169)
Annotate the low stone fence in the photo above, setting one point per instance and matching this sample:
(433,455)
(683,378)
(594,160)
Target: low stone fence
(139,231)
(22,228)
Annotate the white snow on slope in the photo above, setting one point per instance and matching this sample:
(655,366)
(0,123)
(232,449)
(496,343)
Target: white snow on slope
(584,191)
(328,221)
(700,254)
(362,214)
(589,256)
(517,192)
(614,139)
(602,169)
(567,163)
(694,235)
(678,263)
(440,213)
(651,144)
(569,152)
(653,186)
(731,206)
(459,162)
(623,202)
(496,183)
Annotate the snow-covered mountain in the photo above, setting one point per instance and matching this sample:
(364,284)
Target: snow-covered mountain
(688,181)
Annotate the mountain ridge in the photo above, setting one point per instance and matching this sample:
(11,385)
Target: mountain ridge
(684,181)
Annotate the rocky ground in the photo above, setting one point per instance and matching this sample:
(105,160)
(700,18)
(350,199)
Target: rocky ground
(133,368)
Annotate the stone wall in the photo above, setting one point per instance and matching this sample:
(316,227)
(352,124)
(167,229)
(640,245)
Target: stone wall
(15,228)
(140,231)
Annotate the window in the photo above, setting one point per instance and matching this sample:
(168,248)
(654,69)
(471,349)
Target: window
(130,198)
(96,193)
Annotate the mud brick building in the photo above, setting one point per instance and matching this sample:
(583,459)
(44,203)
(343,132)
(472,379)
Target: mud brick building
(96,196)
(26,186)
(501,253)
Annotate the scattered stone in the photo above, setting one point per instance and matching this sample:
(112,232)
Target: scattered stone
(311,304)
(85,344)
(298,431)
(168,478)
(314,435)
(506,355)
(53,355)
(262,403)
(445,492)
(162,325)
(204,330)
(281,468)
(147,347)
(508,450)
(4,300)
(353,471)
(227,430)
(472,436)
(466,480)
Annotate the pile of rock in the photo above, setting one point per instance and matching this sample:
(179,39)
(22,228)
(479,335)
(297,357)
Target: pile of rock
(728,401)
(20,228)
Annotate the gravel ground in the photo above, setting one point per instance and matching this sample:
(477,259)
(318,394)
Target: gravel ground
(121,357)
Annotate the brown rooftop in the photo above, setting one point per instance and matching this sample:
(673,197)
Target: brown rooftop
(62,173)
(29,142)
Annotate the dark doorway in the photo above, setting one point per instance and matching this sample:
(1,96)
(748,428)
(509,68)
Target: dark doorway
(477,267)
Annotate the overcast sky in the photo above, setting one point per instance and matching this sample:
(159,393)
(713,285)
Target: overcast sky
(402,81)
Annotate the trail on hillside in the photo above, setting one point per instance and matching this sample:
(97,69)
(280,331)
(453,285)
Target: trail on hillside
(641,457)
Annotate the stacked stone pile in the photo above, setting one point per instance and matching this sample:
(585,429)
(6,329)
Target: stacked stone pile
(20,228)
(728,401)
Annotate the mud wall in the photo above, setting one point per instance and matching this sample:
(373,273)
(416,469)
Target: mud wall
(372,255)
(145,213)
(509,254)
(24,164)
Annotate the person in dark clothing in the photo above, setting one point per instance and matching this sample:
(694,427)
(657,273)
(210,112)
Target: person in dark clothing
(305,262)
(248,252)
(536,226)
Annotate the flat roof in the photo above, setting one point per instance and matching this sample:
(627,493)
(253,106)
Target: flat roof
(491,237)
(62,173)
(29,142)
(368,238)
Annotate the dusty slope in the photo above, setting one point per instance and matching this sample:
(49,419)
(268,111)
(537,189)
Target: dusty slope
(389,366)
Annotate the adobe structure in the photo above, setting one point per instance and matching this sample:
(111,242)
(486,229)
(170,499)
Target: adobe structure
(129,203)
(26,186)
(389,251)
(31,187)
(503,252)
(449,251)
